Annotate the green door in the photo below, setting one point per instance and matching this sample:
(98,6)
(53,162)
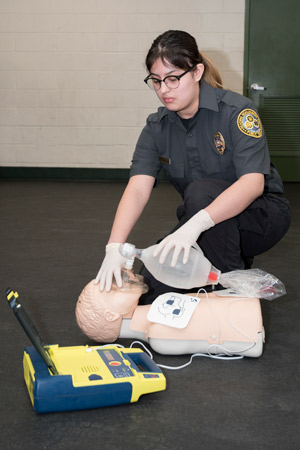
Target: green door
(272,77)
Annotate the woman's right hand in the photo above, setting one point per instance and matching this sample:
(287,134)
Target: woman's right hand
(131,206)
(110,268)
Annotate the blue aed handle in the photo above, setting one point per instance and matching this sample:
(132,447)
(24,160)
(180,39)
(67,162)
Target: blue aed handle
(142,362)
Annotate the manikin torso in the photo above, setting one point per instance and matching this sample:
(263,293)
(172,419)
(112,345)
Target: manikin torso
(217,323)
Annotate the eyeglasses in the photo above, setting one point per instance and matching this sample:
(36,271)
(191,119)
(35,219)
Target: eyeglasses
(172,81)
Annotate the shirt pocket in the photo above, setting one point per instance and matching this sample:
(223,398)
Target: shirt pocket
(217,164)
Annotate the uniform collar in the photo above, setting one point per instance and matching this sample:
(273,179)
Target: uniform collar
(208,97)
(207,100)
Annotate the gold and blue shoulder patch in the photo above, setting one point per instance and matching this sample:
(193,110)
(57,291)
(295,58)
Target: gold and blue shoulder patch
(249,123)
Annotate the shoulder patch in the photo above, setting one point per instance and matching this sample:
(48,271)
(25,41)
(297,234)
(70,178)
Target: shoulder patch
(249,123)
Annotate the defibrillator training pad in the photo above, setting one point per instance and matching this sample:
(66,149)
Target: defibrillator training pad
(173,309)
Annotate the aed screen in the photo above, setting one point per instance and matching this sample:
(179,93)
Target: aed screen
(108,355)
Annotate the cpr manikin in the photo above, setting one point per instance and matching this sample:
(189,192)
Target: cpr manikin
(217,324)
(228,321)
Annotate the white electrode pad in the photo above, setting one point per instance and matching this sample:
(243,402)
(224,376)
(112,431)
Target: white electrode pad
(173,309)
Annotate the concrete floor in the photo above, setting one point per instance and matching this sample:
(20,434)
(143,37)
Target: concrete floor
(52,240)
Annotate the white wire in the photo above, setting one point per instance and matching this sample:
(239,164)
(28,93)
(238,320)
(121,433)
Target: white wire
(90,349)
(213,313)
(222,357)
(236,328)
(227,355)
(144,346)
(218,346)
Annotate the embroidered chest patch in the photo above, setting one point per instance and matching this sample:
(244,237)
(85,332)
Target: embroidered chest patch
(219,142)
(249,123)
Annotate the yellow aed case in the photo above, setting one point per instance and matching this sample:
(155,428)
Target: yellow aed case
(89,377)
(83,377)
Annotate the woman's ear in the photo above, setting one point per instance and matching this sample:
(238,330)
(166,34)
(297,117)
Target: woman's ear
(198,72)
(111,316)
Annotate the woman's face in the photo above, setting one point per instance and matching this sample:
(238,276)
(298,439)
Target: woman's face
(185,99)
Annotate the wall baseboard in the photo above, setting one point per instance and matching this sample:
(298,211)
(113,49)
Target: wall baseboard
(64,173)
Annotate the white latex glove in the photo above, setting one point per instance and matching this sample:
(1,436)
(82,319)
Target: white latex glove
(184,238)
(111,267)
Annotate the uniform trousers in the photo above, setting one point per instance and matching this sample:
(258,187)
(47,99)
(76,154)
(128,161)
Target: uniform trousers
(231,244)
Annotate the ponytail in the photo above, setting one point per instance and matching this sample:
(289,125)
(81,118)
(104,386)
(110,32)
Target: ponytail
(211,74)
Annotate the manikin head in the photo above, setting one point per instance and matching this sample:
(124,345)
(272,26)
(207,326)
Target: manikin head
(99,314)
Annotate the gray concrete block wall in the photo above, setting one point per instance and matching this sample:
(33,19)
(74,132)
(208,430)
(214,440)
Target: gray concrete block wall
(71,73)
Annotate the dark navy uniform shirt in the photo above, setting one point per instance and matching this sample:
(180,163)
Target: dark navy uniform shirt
(224,140)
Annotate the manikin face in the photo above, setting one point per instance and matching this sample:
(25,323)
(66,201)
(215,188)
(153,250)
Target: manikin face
(185,99)
(100,314)
(117,302)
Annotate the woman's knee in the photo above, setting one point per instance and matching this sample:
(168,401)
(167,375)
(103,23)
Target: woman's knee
(200,193)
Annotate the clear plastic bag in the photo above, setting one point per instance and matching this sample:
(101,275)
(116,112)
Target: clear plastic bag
(253,283)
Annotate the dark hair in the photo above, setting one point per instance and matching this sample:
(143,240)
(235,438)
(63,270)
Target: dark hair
(180,49)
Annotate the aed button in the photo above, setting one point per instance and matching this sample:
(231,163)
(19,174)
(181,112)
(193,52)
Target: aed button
(115,363)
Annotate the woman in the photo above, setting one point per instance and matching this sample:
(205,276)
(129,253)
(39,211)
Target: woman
(212,146)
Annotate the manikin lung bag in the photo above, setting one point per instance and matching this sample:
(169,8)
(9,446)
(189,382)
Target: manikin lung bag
(253,283)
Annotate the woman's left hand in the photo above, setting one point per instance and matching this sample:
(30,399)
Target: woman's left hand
(184,238)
